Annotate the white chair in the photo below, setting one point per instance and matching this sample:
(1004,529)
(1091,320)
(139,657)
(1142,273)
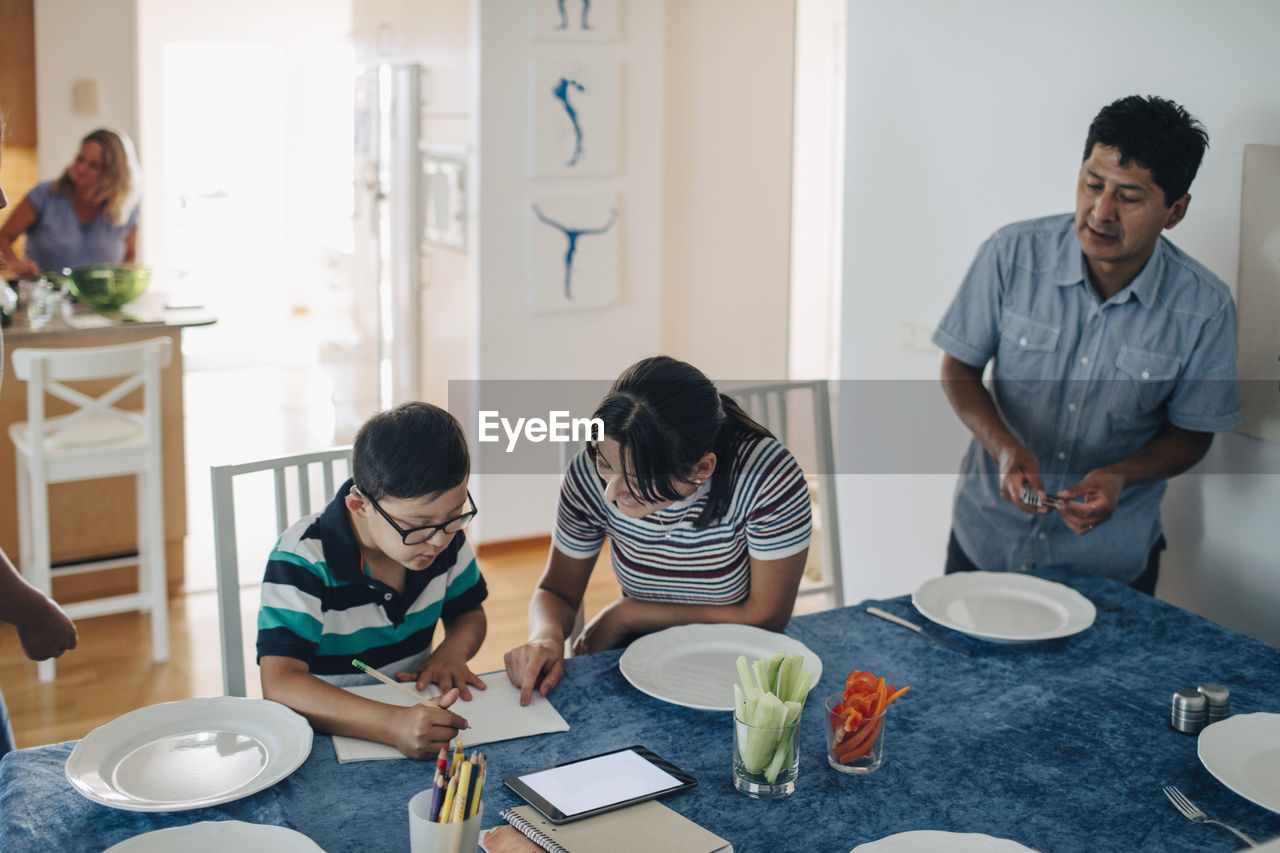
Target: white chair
(799,415)
(293,495)
(98,439)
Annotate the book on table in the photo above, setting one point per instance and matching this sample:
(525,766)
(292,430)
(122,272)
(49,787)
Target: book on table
(641,828)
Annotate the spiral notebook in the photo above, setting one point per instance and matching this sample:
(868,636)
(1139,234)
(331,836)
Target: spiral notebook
(641,828)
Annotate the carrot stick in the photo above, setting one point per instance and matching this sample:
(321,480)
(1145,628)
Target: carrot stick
(860,743)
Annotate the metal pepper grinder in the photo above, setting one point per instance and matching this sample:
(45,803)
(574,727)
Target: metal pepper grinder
(1218,699)
(1190,709)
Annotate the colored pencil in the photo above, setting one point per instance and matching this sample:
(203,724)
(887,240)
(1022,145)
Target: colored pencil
(459,812)
(437,796)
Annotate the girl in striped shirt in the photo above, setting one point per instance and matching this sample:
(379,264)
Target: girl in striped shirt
(707,516)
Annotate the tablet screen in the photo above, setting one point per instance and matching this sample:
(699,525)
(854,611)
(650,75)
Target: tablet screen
(599,783)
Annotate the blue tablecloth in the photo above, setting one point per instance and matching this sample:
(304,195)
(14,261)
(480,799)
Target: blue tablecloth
(1062,746)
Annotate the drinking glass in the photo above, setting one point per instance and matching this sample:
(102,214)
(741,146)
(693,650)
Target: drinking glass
(44,298)
(766,760)
(858,751)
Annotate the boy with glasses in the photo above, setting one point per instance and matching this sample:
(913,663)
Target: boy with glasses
(369,577)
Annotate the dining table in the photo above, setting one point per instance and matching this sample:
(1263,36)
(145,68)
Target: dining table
(1059,745)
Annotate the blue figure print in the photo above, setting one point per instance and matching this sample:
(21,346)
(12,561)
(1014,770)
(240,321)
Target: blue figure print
(564,16)
(561,91)
(573,234)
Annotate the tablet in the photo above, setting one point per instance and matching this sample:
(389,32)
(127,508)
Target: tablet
(599,783)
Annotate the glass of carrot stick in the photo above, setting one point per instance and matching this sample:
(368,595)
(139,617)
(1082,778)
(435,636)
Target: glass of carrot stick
(855,720)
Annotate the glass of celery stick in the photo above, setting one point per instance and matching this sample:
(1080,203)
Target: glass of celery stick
(766,759)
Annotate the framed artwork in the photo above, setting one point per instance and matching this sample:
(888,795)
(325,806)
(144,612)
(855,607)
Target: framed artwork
(573,118)
(572,244)
(575,20)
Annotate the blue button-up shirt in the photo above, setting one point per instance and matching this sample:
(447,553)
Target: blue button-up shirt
(59,239)
(1084,383)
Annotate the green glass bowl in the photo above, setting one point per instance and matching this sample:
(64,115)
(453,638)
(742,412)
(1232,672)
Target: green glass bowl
(108,287)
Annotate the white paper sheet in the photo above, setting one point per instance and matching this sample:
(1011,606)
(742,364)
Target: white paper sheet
(494,714)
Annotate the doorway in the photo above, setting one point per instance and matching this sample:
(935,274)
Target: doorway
(246,142)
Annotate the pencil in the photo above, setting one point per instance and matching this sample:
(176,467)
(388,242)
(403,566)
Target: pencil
(411,693)
(437,796)
(457,757)
(477,788)
(464,789)
(449,796)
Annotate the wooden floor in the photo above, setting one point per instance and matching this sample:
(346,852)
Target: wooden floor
(111,671)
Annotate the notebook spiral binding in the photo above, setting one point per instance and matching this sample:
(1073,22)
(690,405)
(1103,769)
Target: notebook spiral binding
(531,832)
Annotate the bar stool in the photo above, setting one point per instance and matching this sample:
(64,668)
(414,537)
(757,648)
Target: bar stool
(97,439)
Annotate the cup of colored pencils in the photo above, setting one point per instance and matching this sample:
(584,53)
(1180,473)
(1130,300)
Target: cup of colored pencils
(446,817)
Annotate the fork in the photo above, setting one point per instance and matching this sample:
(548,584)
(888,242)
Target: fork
(1191,811)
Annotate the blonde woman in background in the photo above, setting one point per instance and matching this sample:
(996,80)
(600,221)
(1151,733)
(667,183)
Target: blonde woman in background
(87,216)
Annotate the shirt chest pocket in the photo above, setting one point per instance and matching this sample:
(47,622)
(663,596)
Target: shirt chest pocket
(1028,351)
(1144,381)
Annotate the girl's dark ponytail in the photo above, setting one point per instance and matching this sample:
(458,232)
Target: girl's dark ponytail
(736,426)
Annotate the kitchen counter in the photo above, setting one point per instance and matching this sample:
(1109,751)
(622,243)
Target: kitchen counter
(97,519)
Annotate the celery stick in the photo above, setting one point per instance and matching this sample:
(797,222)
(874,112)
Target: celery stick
(749,711)
(799,689)
(786,675)
(762,738)
(760,668)
(744,675)
(783,749)
(775,665)
(781,757)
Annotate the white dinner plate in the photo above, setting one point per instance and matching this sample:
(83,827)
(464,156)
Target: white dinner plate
(930,840)
(696,665)
(1243,753)
(1006,607)
(189,754)
(218,836)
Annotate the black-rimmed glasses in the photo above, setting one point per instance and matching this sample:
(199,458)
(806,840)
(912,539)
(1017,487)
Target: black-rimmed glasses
(419,535)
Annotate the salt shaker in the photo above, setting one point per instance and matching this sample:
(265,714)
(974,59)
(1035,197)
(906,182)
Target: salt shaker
(1218,699)
(1190,708)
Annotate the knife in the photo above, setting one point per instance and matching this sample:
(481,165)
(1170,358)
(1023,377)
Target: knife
(898,620)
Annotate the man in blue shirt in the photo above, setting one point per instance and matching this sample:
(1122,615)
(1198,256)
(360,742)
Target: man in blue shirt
(1114,361)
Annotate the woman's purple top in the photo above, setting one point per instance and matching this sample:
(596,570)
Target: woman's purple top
(59,239)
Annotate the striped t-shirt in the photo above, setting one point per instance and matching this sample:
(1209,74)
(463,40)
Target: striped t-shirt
(319,606)
(661,557)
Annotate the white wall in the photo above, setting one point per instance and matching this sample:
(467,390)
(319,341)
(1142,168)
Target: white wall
(817,193)
(966,116)
(727,212)
(512,343)
(92,41)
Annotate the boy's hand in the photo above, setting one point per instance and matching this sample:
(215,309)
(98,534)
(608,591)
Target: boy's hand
(421,730)
(537,664)
(446,672)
